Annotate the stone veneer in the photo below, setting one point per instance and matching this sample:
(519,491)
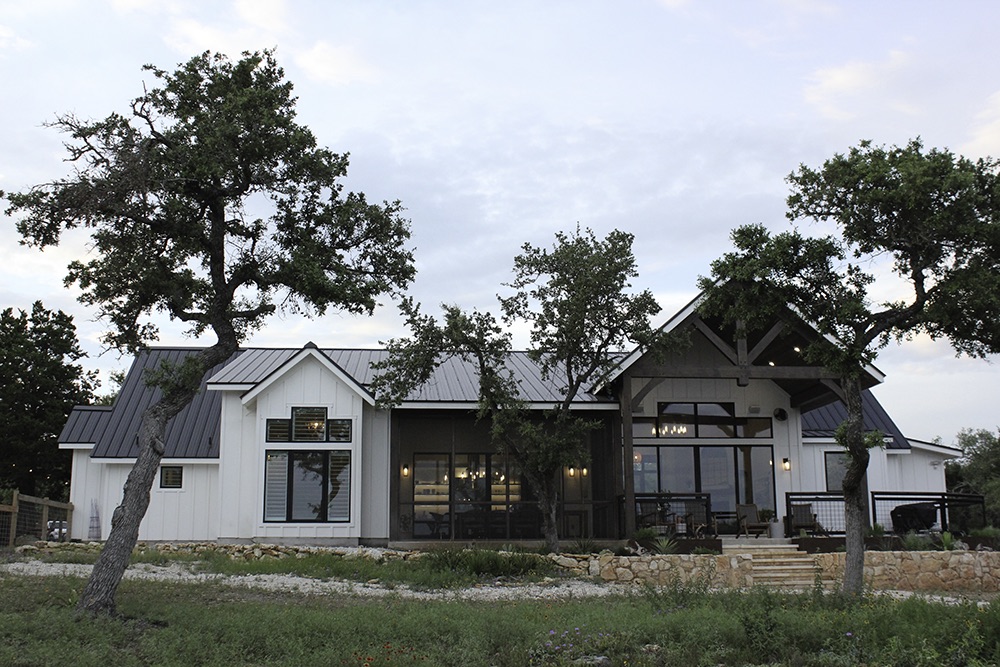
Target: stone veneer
(957,571)
(729,571)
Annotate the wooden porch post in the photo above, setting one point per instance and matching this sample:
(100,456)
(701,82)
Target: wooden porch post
(628,475)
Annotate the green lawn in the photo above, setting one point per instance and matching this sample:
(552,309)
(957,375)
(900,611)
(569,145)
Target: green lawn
(215,624)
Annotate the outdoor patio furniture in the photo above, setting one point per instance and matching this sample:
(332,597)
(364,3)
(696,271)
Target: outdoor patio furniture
(804,519)
(698,521)
(656,515)
(914,516)
(749,521)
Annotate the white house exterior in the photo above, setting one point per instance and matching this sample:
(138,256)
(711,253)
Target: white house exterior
(286,445)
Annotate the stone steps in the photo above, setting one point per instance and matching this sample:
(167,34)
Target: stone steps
(777,563)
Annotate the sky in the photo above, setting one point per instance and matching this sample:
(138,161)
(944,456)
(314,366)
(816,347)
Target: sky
(501,123)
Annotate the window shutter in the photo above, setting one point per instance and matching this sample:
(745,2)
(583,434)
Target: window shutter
(275,486)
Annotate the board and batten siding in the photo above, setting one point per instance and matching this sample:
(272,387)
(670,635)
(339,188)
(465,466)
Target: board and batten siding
(305,383)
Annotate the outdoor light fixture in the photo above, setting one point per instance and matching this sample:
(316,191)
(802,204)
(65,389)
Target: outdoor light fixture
(572,471)
(583,472)
(786,464)
(406,471)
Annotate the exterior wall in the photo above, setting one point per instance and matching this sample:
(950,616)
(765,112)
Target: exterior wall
(376,473)
(86,487)
(188,513)
(242,456)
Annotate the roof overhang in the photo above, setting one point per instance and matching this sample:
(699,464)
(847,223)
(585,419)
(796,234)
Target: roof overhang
(310,351)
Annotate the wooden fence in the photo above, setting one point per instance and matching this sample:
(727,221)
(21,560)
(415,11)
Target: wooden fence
(33,518)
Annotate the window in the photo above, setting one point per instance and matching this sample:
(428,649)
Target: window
(309,425)
(836,468)
(701,420)
(307,486)
(171,477)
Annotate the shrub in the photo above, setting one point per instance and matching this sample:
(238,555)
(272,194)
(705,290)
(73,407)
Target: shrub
(488,563)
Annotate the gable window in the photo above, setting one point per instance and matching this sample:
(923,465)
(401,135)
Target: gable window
(307,486)
(171,477)
(309,425)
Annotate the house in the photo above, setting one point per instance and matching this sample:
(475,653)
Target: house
(288,445)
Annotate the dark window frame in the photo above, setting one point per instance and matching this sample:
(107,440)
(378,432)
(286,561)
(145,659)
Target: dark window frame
(335,429)
(701,420)
(166,472)
(289,486)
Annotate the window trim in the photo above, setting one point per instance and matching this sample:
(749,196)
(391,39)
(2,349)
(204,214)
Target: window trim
(287,424)
(288,486)
(166,471)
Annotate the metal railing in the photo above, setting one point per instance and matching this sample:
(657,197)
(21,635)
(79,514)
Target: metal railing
(815,513)
(902,512)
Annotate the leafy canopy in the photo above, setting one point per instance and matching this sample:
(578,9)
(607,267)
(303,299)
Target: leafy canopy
(209,203)
(40,382)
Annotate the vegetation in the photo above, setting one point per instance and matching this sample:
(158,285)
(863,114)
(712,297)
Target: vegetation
(171,191)
(40,382)
(681,625)
(574,297)
(978,471)
(928,217)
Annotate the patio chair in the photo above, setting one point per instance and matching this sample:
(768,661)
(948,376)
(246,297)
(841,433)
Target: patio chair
(803,518)
(654,514)
(749,521)
(699,521)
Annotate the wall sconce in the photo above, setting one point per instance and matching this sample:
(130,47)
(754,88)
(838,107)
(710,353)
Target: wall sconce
(583,472)
(406,471)
(786,465)
(572,471)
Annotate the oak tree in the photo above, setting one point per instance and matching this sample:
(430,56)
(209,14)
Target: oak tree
(41,380)
(575,298)
(209,204)
(927,218)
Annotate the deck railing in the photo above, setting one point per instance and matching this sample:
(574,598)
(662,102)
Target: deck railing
(901,512)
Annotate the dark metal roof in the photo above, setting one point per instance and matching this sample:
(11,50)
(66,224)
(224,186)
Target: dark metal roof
(455,381)
(85,424)
(823,422)
(194,433)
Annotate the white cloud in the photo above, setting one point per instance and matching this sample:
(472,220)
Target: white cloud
(268,15)
(10,41)
(846,91)
(986,134)
(335,64)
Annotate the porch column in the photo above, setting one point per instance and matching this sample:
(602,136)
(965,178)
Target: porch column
(628,476)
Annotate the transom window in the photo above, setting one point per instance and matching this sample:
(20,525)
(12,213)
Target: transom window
(700,420)
(309,425)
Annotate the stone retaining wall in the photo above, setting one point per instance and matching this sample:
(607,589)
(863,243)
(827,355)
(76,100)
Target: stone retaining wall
(957,571)
(730,571)
(930,571)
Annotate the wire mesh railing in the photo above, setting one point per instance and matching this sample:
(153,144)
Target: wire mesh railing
(28,518)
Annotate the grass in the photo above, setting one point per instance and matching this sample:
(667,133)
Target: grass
(442,568)
(214,624)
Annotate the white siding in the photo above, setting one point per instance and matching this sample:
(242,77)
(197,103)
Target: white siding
(307,383)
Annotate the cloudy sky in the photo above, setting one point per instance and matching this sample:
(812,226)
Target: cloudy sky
(499,123)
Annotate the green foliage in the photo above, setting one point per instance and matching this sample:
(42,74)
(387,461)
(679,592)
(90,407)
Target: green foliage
(487,563)
(664,545)
(679,625)
(40,382)
(165,188)
(927,217)
(645,535)
(978,471)
(575,298)
(914,542)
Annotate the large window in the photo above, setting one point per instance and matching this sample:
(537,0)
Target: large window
(307,486)
(700,420)
(740,474)
(470,496)
(308,425)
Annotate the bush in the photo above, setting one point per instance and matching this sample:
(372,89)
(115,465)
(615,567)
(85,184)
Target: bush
(487,563)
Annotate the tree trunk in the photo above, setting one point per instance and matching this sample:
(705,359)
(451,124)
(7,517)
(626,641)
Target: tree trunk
(550,526)
(99,595)
(852,438)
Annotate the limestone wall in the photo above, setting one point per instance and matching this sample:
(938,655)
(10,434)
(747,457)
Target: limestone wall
(957,571)
(734,571)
